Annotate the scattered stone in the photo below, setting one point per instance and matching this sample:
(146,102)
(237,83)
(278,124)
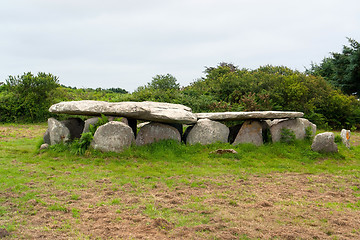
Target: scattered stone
(297,126)
(233,116)
(58,132)
(345,136)
(324,142)
(75,126)
(250,132)
(154,132)
(223,151)
(140,125)
(206,131)
(44,146)
(113,137)
(151,111)
(4,233)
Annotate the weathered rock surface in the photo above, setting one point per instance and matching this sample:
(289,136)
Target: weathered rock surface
(113,137)
(234,130)
(58,132)
(46,137)
(75,126)
(154,132)
(206,131)
(324,142)
(88,122)
(250,132)
(297,125)
(151,111)
(345,137)
(232,116)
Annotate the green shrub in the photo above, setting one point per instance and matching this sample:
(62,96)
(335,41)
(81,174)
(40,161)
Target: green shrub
(79,146)
(27,98)
(287,136)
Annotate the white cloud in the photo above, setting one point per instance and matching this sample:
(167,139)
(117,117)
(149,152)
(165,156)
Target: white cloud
(124,44)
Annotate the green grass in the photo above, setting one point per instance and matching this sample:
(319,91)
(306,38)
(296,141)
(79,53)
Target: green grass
(27,174)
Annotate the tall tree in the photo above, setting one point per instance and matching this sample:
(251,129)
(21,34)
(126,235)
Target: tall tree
(342,69)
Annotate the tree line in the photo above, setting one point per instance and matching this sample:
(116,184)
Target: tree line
(326,92)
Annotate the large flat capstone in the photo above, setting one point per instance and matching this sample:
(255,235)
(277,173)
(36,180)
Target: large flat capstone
(150,111)
(232,116)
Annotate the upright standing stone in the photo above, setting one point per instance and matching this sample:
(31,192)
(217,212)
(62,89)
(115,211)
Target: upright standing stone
(58,132)
(345,136)
(88,122)
(297,125)
(113,137)
(233,132)
(250,132)
(206,131)
(324,142)
(154,132)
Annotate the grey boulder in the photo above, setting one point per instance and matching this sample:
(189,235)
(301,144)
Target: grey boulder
(88,122)
(113,137)
(324,142)
(298,126)
(58,132)
(154,132)
(250,132)
(206,131)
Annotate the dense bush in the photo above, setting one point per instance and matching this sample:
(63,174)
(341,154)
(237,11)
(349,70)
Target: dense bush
(276,88)
(223,88)
(27,98)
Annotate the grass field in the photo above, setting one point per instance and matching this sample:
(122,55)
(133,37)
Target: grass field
(167,190)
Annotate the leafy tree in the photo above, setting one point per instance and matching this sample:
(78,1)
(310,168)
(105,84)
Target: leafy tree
(163,82)
(341,69)
(27,97)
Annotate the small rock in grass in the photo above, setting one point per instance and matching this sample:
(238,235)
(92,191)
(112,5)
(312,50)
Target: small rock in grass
(44,146)
(222,151)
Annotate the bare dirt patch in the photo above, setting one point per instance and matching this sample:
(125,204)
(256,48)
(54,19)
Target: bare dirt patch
(285,206)
(10,132)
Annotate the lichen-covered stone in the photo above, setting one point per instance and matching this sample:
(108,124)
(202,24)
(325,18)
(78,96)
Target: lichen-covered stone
(58,132)
(154,132)
(113,137)
(250,132)
(206,131)
(324,142)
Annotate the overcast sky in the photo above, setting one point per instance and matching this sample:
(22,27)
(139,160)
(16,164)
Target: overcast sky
(124,43)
